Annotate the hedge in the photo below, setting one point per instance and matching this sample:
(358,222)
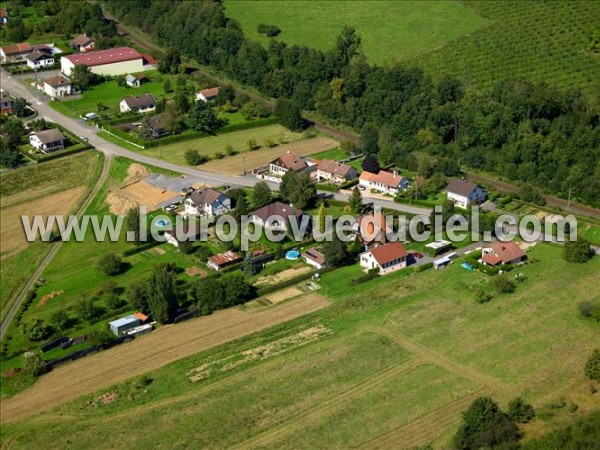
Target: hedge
(408,201)
(326,187)
(348,184)
(140,248)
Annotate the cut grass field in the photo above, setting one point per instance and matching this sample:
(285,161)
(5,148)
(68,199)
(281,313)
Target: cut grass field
(396,364)
(390,30)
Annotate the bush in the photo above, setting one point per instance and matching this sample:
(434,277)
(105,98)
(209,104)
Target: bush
(99,338)
(592,366)
(60,319)
(520,412)
(578,251)
(504,285)
(193,158)
(86,309)
(482,296)
(109,264)
(36,330)
(268,30)
(113,301)
(585,308)
(34,364)
(186,247)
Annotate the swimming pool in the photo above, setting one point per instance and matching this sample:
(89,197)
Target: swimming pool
(161,223)
(292,255)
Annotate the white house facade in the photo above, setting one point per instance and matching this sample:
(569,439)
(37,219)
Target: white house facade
(463,193)
(48,140)
(386,182)
(385,258)
(207,202)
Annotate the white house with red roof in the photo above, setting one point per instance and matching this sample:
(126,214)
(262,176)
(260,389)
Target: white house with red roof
(502,253)
(334,172)
(386,182)
(386,258)
(208,95)
(290,161)
(112,61)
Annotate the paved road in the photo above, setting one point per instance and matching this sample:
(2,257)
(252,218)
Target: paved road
(81,128)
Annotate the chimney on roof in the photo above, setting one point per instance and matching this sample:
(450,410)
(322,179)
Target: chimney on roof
(395,174)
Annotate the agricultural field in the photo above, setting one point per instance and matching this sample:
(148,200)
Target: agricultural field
(393,363)
(539,41)
(38,189)
(391,31)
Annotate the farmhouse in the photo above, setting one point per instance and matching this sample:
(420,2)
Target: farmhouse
(502,253)
(58,86)
(48,140)
(6,103)
(334,172)
(208,95)
(386,182)
(82,43)
(183,232)
(15,52)
(289,161)
(138,104)
(208,202)
(463,193)
(38,59)
(135,80)
(222,260)
(314,257)
(386,258)
(275,216)
(113,61)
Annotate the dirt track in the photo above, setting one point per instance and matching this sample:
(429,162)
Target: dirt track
(157,349)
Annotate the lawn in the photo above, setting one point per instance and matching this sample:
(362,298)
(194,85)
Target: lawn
(390,30)
(394,364)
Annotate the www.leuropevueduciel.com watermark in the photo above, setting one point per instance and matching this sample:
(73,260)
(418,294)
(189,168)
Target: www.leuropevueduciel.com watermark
(250,229)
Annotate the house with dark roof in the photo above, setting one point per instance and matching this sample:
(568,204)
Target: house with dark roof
(314,258)
(208,95)
(464,193)
(82,43)
(48,140)
(387,182)
(135,80)
(334,172)
(138,104)
(58,86)
(385,258)
(499,252)
(290,161)
(39,58)
(275,216)
(207,202)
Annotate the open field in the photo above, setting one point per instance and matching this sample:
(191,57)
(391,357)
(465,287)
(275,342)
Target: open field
(157,349)
(390,30)
(394,364)
(540,41)
(234,165)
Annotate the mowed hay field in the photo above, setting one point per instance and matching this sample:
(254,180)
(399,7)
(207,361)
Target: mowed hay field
(390,30)
(389,364)
(55,187)
(234,165)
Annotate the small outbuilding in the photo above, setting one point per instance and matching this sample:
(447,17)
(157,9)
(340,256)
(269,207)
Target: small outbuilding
(119,326)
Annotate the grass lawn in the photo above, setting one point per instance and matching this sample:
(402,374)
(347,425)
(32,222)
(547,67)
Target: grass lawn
(397,361)
(390,30)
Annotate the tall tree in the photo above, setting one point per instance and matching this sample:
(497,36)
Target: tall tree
(170,61)
(355,201)
(297,189)
(203,118)
(262,195)
(81,77)
(162,293)
(347,44)
(335,251)
(289,115)
(321,216)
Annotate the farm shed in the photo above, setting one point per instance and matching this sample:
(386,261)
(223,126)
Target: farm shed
(123,324)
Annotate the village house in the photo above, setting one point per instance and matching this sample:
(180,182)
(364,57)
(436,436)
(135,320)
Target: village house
(275,216)
(135,80)
(138,104)
(157,126)
(290,161)
(314,258)
(208,95)
(6,103)
(39,58)
(502,253)
(463,193)
(222,260)
(15,52)
(334,172)
(82,43)
(48,140)
(112,61)
(386,258)
(207,202)
(386,182)
(371,229)
(58,86)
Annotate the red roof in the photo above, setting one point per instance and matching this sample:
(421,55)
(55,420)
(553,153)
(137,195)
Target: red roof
(17,49)
(109,56)
(148,59)
(143,317)
(389,252)
(383,177)
(333,167)
(3,13)
(210,92)
(223,259)
(507,251)
(492,260)
(290,161)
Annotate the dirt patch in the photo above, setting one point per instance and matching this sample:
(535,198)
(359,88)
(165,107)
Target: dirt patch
(149,352)
(283,295)
(108,398)
(283,276)
(195,271)
(234,165)
(12,372)
(159,251)
(12,234)
(135,194)
(49,296)
(136,172)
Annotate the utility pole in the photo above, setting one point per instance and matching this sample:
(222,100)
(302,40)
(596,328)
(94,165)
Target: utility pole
(244,164)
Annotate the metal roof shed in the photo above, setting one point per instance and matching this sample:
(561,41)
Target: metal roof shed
(123,324)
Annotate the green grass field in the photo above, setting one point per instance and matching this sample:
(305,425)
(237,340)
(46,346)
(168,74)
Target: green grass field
(398,362)
(540,41)
(390,30)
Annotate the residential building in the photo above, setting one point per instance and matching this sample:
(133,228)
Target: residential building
(334,172)
(157,126)
(58,86)
(275,216)
(289,161)
(371,229)
(208,95)
(222,260)
(39,59)
(499,252)
(386,258)
(135,80)
(113,61)
(15,52)
(207,202)
(138,104)
(82,43)
(48,140)
(314,258)
(463,193)
(386,182)
(6,103)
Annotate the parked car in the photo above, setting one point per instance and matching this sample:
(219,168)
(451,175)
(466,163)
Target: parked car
(90,116)
(418,255)
(84,139)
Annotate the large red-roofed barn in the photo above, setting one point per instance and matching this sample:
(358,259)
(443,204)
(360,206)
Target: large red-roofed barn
(112,61)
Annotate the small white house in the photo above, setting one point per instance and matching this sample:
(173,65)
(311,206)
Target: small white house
(58,86)
(138,104)
(207,202)
(135,80)
(82,43)
(314,258)
(48,140)
(38,59)
(386,258)
(207,95)
(463,193)
(386,182)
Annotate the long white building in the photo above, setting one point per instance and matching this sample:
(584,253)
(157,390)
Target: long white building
(113,61)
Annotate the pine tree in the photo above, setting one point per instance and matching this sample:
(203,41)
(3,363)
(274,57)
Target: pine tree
(356,204)
(321,214)
(162,293)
